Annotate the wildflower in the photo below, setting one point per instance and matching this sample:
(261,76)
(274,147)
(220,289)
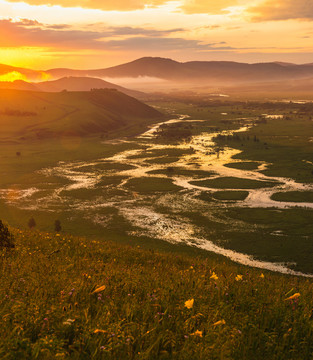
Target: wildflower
(221,322)
(238,278)
(197,333)
(99,289)
(214,276)
(69,322)
(294,296)
(262,276)
(189,303)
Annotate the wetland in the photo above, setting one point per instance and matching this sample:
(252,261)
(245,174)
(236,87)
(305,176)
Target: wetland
(230,178)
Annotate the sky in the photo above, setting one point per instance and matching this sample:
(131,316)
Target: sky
(85,34)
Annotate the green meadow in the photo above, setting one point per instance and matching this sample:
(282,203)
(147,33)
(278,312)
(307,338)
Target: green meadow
(103,288)
(64,297)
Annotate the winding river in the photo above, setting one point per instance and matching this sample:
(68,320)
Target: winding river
(142,210)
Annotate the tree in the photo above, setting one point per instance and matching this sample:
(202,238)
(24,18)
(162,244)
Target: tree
(57,226)
(6,238)
(31,223)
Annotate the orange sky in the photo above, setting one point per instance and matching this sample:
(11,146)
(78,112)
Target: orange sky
(43,34)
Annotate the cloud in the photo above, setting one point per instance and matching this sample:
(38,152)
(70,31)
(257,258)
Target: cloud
(207,6)
(119,5)
(282,10)
(33,34)
(187,6)
(163,44)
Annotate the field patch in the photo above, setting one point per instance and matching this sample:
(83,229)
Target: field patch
(151,185)
(245,165)
(231,195)
(234,183)
(293,196)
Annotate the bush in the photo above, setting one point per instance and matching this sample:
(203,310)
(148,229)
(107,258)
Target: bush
(31,223)
(6,238)
(57,226)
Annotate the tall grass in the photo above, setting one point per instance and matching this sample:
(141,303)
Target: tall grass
(66,297)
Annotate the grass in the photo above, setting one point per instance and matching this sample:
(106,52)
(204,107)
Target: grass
(51,308)
(177,171)
(294,196)
(243,165)
(73,113)
(284,144)
(231,195)
(234,183)
(48,304)
(163,160)
(151,185)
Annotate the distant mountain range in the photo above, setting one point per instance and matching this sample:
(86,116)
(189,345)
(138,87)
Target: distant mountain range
(213,73)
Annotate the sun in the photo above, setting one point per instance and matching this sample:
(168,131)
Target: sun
(12,76)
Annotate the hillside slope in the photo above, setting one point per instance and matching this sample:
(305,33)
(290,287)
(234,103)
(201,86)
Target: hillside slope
(83,84)
(26,114)
(64,297)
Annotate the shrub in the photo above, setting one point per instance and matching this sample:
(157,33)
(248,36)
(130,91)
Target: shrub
(6,238)
(31,223)
(57,226)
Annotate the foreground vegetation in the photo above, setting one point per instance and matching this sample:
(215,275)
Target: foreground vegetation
(67,297)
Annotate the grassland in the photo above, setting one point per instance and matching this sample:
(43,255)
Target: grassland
(67,297)
(234,183)
(114,295)
(152,185)
(230,195)
(27,115)
(294,196)
(243,165)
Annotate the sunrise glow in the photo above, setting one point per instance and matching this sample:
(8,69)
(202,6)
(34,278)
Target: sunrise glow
(93,34)
(12,76)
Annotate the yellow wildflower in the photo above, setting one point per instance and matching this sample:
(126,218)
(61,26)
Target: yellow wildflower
(221,322)
(294,296)
(197,333)
(238,278)
(189,303)
(99,289)
(262,276)
(214,276)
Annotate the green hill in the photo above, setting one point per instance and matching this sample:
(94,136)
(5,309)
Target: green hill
(63,297)
(29,115)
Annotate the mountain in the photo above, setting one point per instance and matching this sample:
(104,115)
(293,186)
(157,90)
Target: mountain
(83,84)
(31,115)
(18,85)
(213,71)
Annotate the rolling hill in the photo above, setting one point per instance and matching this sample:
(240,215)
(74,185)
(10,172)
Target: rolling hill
(215,71)
(83,84)
(69,84)
(40,115)
(18,85)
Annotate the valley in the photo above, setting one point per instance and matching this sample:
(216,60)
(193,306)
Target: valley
(219,185)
